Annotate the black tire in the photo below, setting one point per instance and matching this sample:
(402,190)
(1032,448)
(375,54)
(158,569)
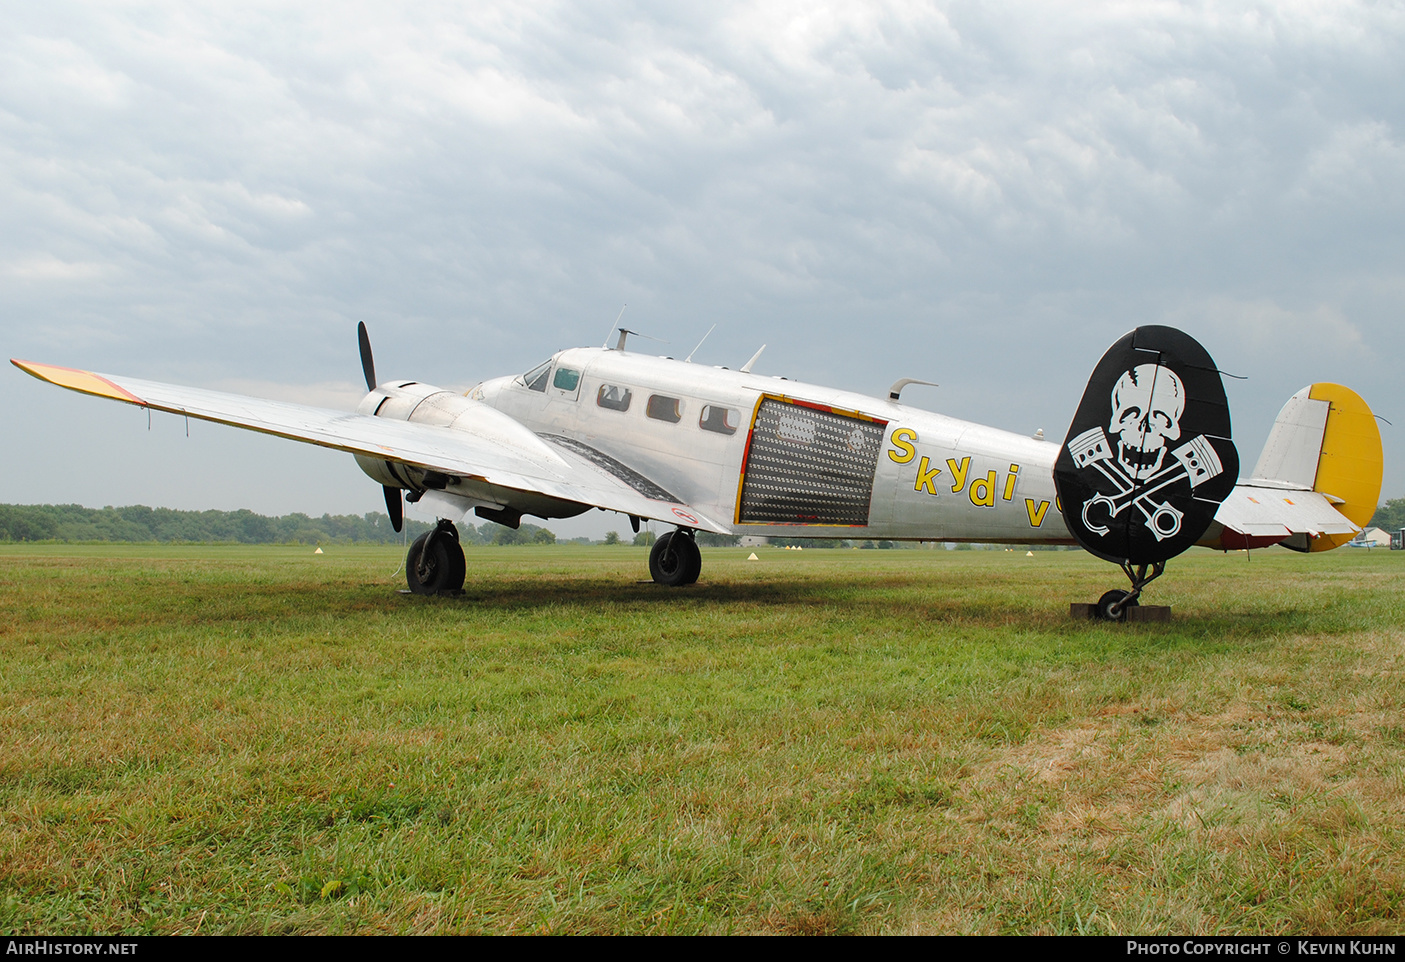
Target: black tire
(675,560)
(1111,598)
(441,569)
(689,546)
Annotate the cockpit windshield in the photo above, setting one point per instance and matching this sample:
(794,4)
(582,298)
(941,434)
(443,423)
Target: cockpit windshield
(536,378)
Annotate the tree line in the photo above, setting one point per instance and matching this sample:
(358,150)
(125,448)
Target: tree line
(73,522)
(1390,516)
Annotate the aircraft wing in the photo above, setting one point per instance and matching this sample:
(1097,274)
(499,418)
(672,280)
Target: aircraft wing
(1259,515)
(490,452)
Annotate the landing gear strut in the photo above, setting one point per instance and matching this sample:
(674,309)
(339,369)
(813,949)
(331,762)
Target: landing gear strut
(435,564)
(1114,604)
(675,559)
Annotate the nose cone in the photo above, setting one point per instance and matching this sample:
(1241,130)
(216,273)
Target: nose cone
(488,391)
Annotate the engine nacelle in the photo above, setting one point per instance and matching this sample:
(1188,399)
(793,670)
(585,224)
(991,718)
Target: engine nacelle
(410,401)
(430,405)
(413,401)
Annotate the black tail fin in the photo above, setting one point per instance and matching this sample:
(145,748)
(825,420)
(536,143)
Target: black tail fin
(1148,458)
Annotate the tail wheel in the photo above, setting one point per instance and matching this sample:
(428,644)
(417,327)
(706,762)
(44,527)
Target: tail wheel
(675,560)
(1114,600)
(435,564)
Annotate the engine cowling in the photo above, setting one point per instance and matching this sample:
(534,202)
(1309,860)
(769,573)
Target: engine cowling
(409,401)
(426,404)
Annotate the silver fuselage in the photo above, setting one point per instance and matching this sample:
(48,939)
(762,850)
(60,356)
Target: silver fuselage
(935,478)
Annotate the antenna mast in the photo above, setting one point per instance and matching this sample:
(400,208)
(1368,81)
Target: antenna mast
(606,343)
(700,343)
(746,368)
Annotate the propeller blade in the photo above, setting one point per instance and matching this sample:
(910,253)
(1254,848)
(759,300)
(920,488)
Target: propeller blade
(368,365)
(394,508)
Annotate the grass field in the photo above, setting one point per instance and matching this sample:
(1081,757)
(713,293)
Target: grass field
(249,739)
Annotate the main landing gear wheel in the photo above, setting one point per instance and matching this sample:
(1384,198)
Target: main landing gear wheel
(675,559)
(435,564)
(1113,605)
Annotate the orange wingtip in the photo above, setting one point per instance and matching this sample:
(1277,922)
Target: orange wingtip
(75,380)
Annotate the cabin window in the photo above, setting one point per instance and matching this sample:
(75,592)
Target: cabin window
(614,397)
(566,379)
(719,419)
(535,379)
(663,408)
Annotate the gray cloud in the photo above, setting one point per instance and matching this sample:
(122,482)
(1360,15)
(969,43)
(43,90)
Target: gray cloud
(985,195)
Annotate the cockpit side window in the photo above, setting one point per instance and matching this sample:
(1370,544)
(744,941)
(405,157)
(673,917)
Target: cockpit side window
(566,379)
(535,379)
(719,419)
(614,397)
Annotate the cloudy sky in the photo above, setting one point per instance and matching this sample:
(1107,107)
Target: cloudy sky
(985,195)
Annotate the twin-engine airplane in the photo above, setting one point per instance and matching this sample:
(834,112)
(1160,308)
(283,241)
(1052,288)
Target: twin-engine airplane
(1147,470)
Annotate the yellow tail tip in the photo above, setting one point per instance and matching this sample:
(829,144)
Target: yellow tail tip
(1351,464)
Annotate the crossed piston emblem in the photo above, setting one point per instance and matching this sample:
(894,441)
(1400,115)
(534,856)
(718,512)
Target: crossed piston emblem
(1196,462)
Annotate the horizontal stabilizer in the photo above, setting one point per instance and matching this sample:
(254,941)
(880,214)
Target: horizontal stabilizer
(1256,517)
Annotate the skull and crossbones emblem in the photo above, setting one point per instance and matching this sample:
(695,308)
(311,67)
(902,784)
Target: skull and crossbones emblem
(1147,405)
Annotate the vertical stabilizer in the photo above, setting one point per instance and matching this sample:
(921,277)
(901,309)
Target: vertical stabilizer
(1325,440)
(1149,457)
(1295,443)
